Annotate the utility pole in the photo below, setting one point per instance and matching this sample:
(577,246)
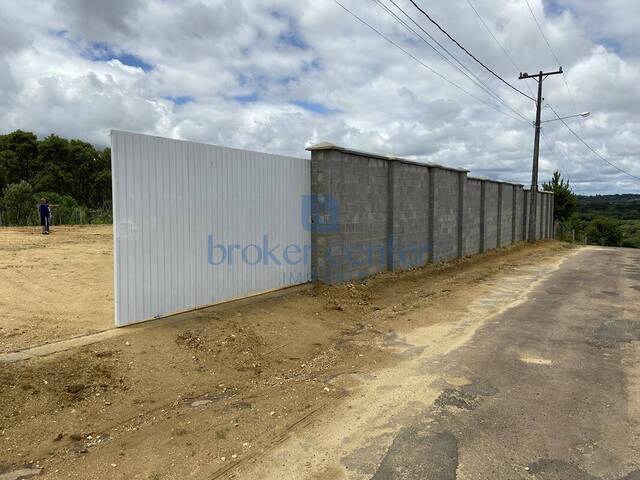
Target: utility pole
(539,77)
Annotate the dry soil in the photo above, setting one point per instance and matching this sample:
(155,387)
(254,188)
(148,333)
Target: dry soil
(198,394)
(54,286)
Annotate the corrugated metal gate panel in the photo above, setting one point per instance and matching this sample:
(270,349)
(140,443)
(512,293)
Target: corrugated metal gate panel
(169,196)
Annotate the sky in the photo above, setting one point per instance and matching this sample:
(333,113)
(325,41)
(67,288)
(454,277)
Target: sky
(279,75)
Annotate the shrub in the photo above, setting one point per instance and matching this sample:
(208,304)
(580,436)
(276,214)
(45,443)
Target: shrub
(604,231)
(18,206)
(64,208)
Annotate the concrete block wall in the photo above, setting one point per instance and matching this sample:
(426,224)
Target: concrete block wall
(552,223)
(549,217)
(353,241)
(372,213)
(445,219)
(526,212)
(472,216)
(519,214)
(408,216)
(506,214)
(491,204)
(539,216)
(544,215)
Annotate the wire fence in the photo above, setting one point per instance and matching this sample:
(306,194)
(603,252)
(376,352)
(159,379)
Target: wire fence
(567,233)
(59,216)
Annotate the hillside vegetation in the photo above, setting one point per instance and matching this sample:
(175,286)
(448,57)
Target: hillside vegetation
(623,210)
(71,174)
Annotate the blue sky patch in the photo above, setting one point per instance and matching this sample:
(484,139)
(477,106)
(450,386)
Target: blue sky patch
(554,7)
(103,52)
(181,100)
(291,36)
(249,98)
(613,46)
(314,107)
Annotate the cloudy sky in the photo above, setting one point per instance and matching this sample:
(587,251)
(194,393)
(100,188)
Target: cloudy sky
(277,75)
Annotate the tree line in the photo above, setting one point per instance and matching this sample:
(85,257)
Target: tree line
(599,220)
(71,174)
(76,177)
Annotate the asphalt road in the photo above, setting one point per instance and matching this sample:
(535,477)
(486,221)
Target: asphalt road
(553,390)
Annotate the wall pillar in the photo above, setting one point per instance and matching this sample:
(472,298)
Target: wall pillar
(391,241)
(483,214)
(462,183)
(499,222)
(514,211)
(432,214)
(525,215)
(552,215)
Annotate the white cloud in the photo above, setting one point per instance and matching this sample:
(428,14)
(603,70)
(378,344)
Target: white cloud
(238,73)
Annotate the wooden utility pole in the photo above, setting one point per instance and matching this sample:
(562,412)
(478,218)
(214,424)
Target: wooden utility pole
(539,77)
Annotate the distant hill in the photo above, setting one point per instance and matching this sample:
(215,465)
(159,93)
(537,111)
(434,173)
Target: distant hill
(621,207)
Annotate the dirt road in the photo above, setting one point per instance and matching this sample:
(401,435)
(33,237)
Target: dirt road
(545,389)
(56,286)
(290,384)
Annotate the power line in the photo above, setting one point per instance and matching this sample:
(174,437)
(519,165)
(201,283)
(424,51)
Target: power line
(486,27)
(575,185)
(545,135)
(542,33)
(590,147)
(495,39)
(475,78)
(406,52)
(555,57)
(468,52)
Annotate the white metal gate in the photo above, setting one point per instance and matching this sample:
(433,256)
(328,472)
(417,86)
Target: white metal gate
(198,224)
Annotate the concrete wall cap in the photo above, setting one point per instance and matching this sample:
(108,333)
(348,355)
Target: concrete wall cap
(539,191)
(330,146)
(492,180)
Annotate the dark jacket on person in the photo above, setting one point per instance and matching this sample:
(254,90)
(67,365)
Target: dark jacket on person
(43,208)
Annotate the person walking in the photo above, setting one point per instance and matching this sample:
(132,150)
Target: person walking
(45,215)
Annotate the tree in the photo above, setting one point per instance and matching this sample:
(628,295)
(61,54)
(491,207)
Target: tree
(565,202)
(56,172)
(101,187)
(604,231)
(19,207)
(66,210)
(19,150)
(73,169)
(5,159)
